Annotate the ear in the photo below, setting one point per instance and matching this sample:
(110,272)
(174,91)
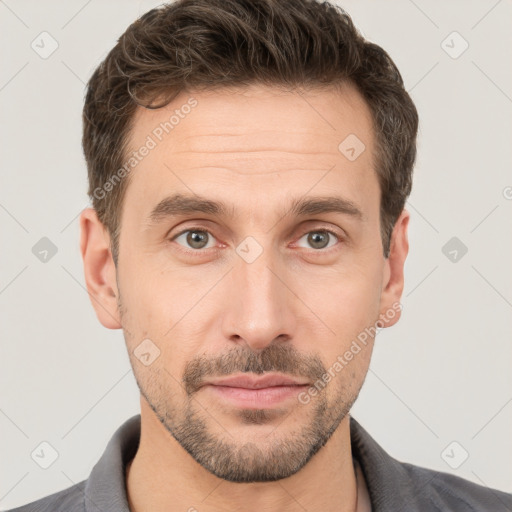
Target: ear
(393,278)
(99,269)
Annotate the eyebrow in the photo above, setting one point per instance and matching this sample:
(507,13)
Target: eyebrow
(180,204)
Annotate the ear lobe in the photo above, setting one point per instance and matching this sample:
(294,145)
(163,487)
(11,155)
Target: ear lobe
(393,276)
(99,269)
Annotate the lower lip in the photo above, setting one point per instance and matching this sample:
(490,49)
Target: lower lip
(256,398)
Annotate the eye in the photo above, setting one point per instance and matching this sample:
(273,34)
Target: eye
(195,239)
(320,239)
(199,238)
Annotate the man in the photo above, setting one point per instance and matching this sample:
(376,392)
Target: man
(249,162)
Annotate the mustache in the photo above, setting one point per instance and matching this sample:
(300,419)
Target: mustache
(274,358)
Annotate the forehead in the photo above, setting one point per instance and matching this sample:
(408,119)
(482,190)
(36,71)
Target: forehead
(247,140)
(330,114)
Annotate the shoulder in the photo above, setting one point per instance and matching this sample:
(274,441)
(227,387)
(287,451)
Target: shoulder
(443,491)
(400,486)
(67,500)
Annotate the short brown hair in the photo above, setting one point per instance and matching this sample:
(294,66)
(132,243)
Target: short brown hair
(205,44)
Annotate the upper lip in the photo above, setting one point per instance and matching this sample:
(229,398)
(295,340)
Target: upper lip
(259,382)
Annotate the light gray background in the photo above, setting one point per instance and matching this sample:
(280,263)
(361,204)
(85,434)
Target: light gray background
(442,374)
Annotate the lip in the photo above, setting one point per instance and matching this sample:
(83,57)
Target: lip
(257,382)
(250,392)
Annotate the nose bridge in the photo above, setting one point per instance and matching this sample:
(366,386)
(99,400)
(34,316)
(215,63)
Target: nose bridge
(258,283)
(262,308)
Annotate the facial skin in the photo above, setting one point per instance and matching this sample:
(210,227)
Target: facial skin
(212,314)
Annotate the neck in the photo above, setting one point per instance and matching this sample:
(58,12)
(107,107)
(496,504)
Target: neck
(164,477)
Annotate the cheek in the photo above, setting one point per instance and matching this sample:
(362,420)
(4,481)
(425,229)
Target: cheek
(347,300)
(156,299)
(164,308)
(348,303)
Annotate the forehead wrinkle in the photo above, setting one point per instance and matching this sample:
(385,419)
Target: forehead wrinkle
(245,150)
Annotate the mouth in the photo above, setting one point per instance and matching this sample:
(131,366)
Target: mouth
(255,392)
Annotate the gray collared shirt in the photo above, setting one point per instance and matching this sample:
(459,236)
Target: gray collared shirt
(392,486)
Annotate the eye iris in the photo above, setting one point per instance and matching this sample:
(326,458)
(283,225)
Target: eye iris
(197,239)
(318,239)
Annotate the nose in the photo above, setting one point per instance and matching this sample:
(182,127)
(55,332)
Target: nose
(261,308)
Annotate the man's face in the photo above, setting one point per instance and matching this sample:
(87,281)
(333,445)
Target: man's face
(259,287)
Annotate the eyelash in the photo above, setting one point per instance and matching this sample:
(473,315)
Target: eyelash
(198,252)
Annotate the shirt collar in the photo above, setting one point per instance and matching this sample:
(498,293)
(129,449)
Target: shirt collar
(106,487)
(388,481)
